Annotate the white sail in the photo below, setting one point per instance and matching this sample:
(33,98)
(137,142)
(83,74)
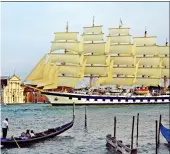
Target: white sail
(165,62)
(93,37)
(122,49)
(37,71)
(115,31)
(66,58)
(165,72)
(73,46)
(147,81)
(140,41)
(68,81)
(97,48)
(163,50)
(65,36)
(70,70)
(93,29)
(115,62)
(53,80)
(96,70)
(120,39)
(124,71)
(45,72)
(96,59)
(156,72)
(107,47)
(146,50)
(148,61)
(51,77)
(117,81)
(124,60)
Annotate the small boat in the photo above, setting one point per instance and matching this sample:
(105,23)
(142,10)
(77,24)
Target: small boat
(166,134)
(27,141)
(117,146)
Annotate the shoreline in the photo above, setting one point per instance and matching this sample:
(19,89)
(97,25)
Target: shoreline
(23,103)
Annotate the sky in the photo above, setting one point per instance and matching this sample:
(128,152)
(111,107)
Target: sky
(27,28)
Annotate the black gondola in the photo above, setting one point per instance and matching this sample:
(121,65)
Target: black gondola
(22,142)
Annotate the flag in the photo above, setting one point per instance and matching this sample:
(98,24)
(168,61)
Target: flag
(145,32)
(121,23)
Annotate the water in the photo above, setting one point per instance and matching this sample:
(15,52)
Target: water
(81,140)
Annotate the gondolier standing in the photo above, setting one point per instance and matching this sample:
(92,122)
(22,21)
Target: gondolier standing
(4,127)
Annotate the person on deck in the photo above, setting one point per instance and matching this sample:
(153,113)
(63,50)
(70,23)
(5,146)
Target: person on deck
(23,134)
(27,133)
(4,127)
(32,133)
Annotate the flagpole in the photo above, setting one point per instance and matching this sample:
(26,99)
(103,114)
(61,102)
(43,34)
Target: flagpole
(121,23)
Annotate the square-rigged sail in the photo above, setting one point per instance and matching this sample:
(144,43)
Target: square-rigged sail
(120,60)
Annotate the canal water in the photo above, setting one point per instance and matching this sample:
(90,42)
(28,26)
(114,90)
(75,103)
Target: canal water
(81,140)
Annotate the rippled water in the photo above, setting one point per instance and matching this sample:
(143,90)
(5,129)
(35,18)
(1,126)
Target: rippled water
(79,140)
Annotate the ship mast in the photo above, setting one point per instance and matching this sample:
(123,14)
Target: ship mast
(120,26)
(91,77)
(165,78)
(145,32)
(66,32)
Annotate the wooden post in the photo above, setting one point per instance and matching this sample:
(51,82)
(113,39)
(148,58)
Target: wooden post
(132,132)
(85,118)
(73,111)
(159,129)
(137,130)
(114,126)
(156,135)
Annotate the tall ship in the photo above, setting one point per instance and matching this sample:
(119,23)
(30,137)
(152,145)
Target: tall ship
(121,70)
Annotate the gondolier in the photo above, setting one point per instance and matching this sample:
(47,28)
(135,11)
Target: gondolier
(21,141)
(4,127)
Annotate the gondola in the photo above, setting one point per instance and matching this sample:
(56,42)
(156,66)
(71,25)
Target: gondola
(25,142)
(166,134)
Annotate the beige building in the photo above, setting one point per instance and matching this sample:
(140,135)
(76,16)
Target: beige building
(11,90)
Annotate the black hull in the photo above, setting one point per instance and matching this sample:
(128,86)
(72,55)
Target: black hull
(30,141)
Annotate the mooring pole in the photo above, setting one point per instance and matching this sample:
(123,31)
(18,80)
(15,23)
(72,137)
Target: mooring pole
(132,132)
(159,129)
(156,135)
(114,126)
(73,110)
(85,117)
(137,130)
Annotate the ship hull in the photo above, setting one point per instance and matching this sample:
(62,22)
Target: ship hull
(60,99)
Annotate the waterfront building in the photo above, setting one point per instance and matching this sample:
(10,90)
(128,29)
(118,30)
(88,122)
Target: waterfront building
(33,96)
(11,90)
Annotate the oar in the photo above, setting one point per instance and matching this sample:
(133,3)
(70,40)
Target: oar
(16,142)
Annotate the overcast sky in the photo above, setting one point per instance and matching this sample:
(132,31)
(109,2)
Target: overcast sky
(27,27)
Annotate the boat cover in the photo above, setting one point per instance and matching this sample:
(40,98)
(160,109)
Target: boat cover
(165,132)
